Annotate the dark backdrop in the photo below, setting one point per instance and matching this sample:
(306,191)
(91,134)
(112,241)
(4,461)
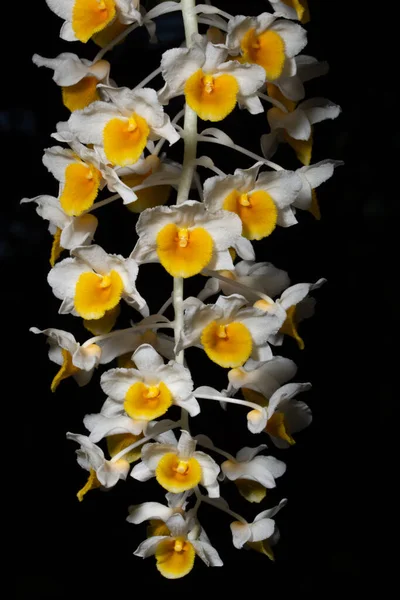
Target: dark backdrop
(336,527)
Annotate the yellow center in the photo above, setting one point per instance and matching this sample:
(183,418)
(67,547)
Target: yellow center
(176,475)
(290,326)
(262,547)
(277,428)
(91,16)
(125,139)
(96,294)
(147,403)
(212,98)
(83,93)
(183,252)
(66,370)
(252,491)
(120,441)
(266,49)
(227,345)
(257,212)
(81,188)
(175,558)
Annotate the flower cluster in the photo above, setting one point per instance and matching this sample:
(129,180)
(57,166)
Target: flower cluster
(113,139)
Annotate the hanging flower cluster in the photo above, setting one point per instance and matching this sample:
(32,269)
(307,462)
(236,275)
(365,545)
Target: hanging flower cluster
(113,139)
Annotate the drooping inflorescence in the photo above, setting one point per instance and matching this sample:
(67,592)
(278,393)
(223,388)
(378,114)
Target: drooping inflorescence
(113,139)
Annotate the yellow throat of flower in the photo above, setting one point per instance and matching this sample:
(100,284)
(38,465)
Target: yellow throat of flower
(256,210)
(175,558)
(266,49)
(125,139)
(184,252)
(228,345)
(177,475)
(147,402)
(211,97)
(97,294)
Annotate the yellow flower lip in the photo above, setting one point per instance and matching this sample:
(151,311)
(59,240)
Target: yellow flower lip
(177,475)
(147,402)
(184,252)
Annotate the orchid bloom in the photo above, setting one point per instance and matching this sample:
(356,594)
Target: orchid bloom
(147,391)
(230,331)
(211,83)
(267,41)
(78,77)
(178,467)
(122,127)
(262,201)
(253,474)
(175,553)
(295,124)
(187,238)
(84,18)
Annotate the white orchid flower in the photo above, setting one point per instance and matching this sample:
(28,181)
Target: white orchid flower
(292,300)
(311,178)
(267,41)
(295,126)
(85,18)
(102,472)
(75,360)
(82,174)
(122,127)
(148,391)
(292,9)
(78,77)
(253,474)
(187,238)
(230,331)
(211,83)
(256,276)
(175,553)
(68,232)
(287,415)
(263,379)
(92,283)
(262,201)
(260,533)
(179,467)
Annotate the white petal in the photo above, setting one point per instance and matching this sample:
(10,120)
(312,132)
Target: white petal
(101,426)
(319,109)
(88,124)
(190,404)
(319,172)
(68,68)
(250,78)
(141,472)
(256,420)
(177,525)
(177,65)
(79,232)
(246,454)
(148,511)
(241,533)
(95,257)
(63,277)
(207,553)
(116,382)
(111,472)
(62,8)
(153,453)
(149,546)
(283,186)
(296,293)
(294,36)
(262,529)
(209,468)
(147,359)
(271,512)
(186,445)
(295,123)
(284,394)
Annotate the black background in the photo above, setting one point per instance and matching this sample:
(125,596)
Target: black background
(336,528)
